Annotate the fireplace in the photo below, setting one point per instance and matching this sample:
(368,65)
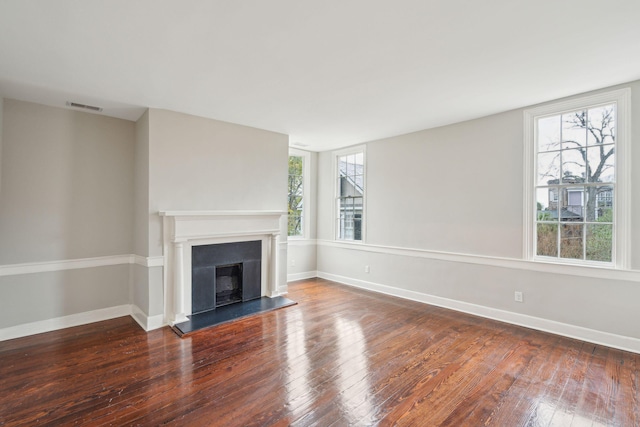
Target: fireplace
(225,273)
(189,234)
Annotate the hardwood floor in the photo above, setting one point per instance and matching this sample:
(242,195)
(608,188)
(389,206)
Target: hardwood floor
(341,356)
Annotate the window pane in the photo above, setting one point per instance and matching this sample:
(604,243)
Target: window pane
(574,129)
(601,161)
(549,168)
(602,124)
(573,166)
(571,204)
(295,185)
(295,165)
(342,165)
(357,226)
(351,161)
(340,227)
(349,196)
(549,133)
(599,242)
(344,187)
(295,224)
(547,243)
(341,218)
(295,196)
(346,218)
(571,241)
(547,204)
(599,204)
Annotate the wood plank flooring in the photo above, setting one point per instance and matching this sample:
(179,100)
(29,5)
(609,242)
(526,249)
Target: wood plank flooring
(340,357)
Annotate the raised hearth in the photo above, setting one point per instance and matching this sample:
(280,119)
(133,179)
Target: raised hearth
(230,313)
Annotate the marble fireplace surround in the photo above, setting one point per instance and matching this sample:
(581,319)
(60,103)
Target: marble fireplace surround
(184,229)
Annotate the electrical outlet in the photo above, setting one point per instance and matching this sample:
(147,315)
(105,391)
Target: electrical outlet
(519,296)
(366,269)
(293,263)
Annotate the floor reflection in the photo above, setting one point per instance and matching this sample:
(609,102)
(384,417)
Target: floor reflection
(353,370)
(550,414)
(299,393)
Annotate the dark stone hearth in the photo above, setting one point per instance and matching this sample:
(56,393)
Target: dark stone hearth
(230,313)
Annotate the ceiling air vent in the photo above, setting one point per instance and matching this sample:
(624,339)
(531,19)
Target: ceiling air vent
(84,106)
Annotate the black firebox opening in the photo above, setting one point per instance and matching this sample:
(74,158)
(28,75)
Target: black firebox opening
(228,284)
(225,273)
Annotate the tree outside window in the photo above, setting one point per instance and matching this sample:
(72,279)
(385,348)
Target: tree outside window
(296,196)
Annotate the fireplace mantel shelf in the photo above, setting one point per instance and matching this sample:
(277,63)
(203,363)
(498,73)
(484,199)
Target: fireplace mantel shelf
(219,213)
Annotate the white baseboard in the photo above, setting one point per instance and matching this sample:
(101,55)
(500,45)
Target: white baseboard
(301,276)
(558,328)
(148,323)
(54,324)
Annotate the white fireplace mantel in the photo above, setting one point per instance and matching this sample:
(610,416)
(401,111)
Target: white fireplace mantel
(184,229)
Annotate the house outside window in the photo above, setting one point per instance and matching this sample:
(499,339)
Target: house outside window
(577,180)
(295,199)
(350,190)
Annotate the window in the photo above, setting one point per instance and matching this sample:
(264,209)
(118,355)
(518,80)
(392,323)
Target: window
(577,177)
(295,199)
(350,195)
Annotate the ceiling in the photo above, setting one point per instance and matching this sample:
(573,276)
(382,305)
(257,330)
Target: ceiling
(328,73)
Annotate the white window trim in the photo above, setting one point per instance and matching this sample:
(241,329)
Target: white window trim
(306,183)
(335,154)
(622,248)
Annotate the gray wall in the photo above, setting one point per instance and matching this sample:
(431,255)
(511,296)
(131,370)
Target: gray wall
(139,292)
(458,190)
(204,164)
(66,194)
(34,297)
(1,126)
(141,187)
(67,189)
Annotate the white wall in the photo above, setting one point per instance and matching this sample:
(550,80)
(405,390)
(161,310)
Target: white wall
(444,224)
(66,195)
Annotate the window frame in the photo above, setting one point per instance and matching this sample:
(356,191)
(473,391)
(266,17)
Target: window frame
(357,149)
(306,186)
(621,250)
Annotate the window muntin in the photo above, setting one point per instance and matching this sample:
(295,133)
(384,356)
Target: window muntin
(295,199)
(575,185)
(350,196)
